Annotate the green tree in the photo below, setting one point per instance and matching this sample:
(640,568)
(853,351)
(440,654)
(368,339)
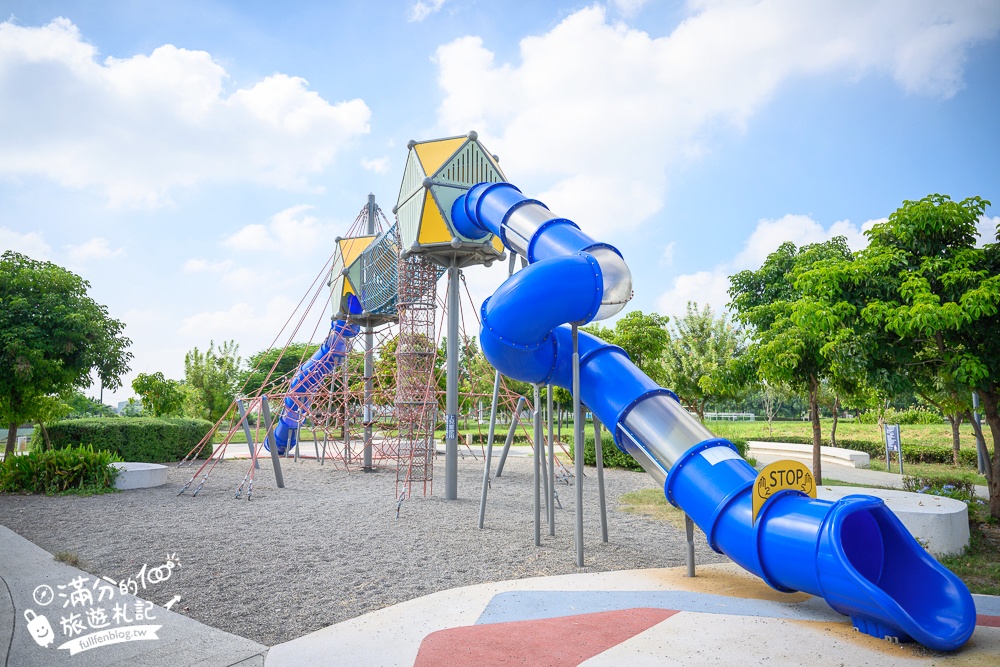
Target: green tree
(265,367)
(786,347)
(82,406)
(643,336)
(927,296)
(52,336)
(700,346)
(213,375)
(160,396)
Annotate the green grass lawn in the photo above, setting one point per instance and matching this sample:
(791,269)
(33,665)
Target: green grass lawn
(915,434)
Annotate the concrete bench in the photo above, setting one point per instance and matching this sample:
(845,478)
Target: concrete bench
(940,524)
(140,475)
(833,455)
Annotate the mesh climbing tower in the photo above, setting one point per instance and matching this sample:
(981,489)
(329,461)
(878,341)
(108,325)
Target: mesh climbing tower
(416,390)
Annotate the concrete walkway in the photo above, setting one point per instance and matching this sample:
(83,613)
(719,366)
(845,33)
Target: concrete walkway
(34,586)
(637,617)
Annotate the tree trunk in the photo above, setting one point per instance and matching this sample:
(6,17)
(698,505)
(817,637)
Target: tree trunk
(833,430)
(990,400)
(817,432)
(956,436)
(45,434)
(11,440)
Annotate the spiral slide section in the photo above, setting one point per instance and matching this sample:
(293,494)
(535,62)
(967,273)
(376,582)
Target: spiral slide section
(854,553)
(324,361)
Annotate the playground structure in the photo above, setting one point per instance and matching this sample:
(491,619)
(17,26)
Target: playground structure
(383,294)
(456,210)
(854,552)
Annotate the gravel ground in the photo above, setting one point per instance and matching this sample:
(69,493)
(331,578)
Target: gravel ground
(329,547)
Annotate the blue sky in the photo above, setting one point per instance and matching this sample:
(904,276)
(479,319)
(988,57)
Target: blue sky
(195,160)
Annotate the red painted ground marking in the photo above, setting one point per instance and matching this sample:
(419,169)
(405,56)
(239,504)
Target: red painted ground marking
(988,621)
(564,641)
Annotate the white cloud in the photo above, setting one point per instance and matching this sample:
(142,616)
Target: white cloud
(712,287)
(421,10)
(95,248)
(286,233)
(254,326)
(629,8)
(199,265)
(595,114)
(667,256)
(31,244)
(379,165)
(137,128)
(989,230)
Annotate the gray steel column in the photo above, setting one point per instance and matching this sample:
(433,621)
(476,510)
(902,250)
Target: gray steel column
(689,530)
(982,455)
(368,416)
(510,435)
(577,447)
(489,448)
(272,445)
(246,430)
(451,400)
(552,466)
(539,453)
(599,454)
(369,346)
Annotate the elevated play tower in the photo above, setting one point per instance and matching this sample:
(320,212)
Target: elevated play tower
(437,173)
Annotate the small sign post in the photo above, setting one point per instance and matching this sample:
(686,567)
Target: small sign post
(892,444)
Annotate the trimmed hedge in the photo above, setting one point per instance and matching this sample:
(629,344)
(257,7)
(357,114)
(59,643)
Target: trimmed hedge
(911,453)
(73,470)
(615,458)
(142,439)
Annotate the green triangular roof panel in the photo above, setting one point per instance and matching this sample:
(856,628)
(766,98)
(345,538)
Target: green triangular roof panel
(469,166)
(413,178)
(409,215)
(354,275)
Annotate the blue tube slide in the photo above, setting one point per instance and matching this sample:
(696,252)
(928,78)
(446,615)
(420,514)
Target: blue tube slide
(854,553)
(324,361)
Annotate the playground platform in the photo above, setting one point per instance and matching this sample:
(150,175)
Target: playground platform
(635,617)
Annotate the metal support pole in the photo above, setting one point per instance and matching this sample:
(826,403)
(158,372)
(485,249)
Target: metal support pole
(246,430)
(367,466)
(551,503)
(347,415)
(489,449)
(539,453)
(599,453)
(451,402)
(510,434)
(689,530)
(981,454)
(297,436)
(275,459)
(577,447)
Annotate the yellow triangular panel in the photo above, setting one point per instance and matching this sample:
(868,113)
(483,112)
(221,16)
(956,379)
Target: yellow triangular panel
(497,244)
(351,248)
(434,153)
(432,226)
(347,288)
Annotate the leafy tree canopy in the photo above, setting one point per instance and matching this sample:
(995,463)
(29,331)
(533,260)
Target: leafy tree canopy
(52,336)
(700,347)
(161,397)
(213,375)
